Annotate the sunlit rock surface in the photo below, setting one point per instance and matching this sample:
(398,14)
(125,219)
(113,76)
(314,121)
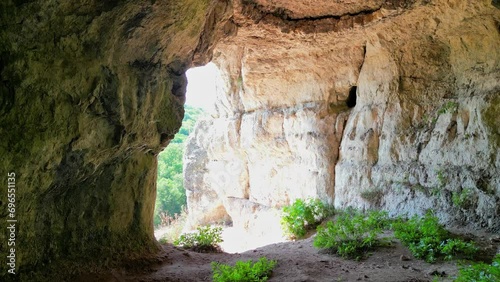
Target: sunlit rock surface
(423,134)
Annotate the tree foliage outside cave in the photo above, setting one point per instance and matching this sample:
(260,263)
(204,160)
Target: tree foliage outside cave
(171,195)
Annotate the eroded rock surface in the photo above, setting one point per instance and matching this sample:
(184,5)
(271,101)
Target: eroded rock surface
(423,132)
(91,91)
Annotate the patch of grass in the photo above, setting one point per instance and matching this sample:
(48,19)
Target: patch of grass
(480,272)
(243,271)
(428,240)
(352,233)
(302,216)
(205,239)
(462,199)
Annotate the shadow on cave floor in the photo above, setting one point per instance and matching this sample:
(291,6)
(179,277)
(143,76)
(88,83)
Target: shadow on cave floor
(297,261)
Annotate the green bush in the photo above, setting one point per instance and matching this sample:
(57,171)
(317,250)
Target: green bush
(480,272)
(205,239)
(451,248)
(378,219)
(352,233)
(428,240)
(302,216)
(243,271)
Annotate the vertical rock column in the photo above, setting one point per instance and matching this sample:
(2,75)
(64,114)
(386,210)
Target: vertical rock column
(91,91)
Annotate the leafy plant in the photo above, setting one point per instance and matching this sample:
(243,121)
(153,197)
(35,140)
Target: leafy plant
(455,247)
(462,199)
(378,219)
(205,239)
(428,240)
(352,233)
(480,272)
(243,271)
(302,216)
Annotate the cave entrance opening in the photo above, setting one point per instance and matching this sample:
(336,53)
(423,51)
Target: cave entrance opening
(171,213)
(172,216)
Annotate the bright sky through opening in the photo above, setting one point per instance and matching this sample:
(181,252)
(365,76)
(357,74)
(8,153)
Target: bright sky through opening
(200,90)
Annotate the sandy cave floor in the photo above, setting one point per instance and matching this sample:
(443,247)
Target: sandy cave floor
(300,261)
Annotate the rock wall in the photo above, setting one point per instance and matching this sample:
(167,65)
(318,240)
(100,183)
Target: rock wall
(91,91)
(391,104)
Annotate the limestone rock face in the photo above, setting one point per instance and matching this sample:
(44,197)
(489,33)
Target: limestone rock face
(391,104)
(91,91)
(422,82)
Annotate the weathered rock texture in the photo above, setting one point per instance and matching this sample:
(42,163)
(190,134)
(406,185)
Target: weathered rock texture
(424,131)
(91,91)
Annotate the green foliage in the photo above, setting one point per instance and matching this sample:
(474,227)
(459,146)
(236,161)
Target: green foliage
(170,192)
(462,199)
(205,239)
(455,247)
(448,107)
(428,240)
(441,178)
(303,215)
(378,219)
(171,195)
(352,233)
(243,271)
(480,272)
(191,116)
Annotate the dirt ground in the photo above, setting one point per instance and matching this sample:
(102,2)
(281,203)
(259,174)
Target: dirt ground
(300,261)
